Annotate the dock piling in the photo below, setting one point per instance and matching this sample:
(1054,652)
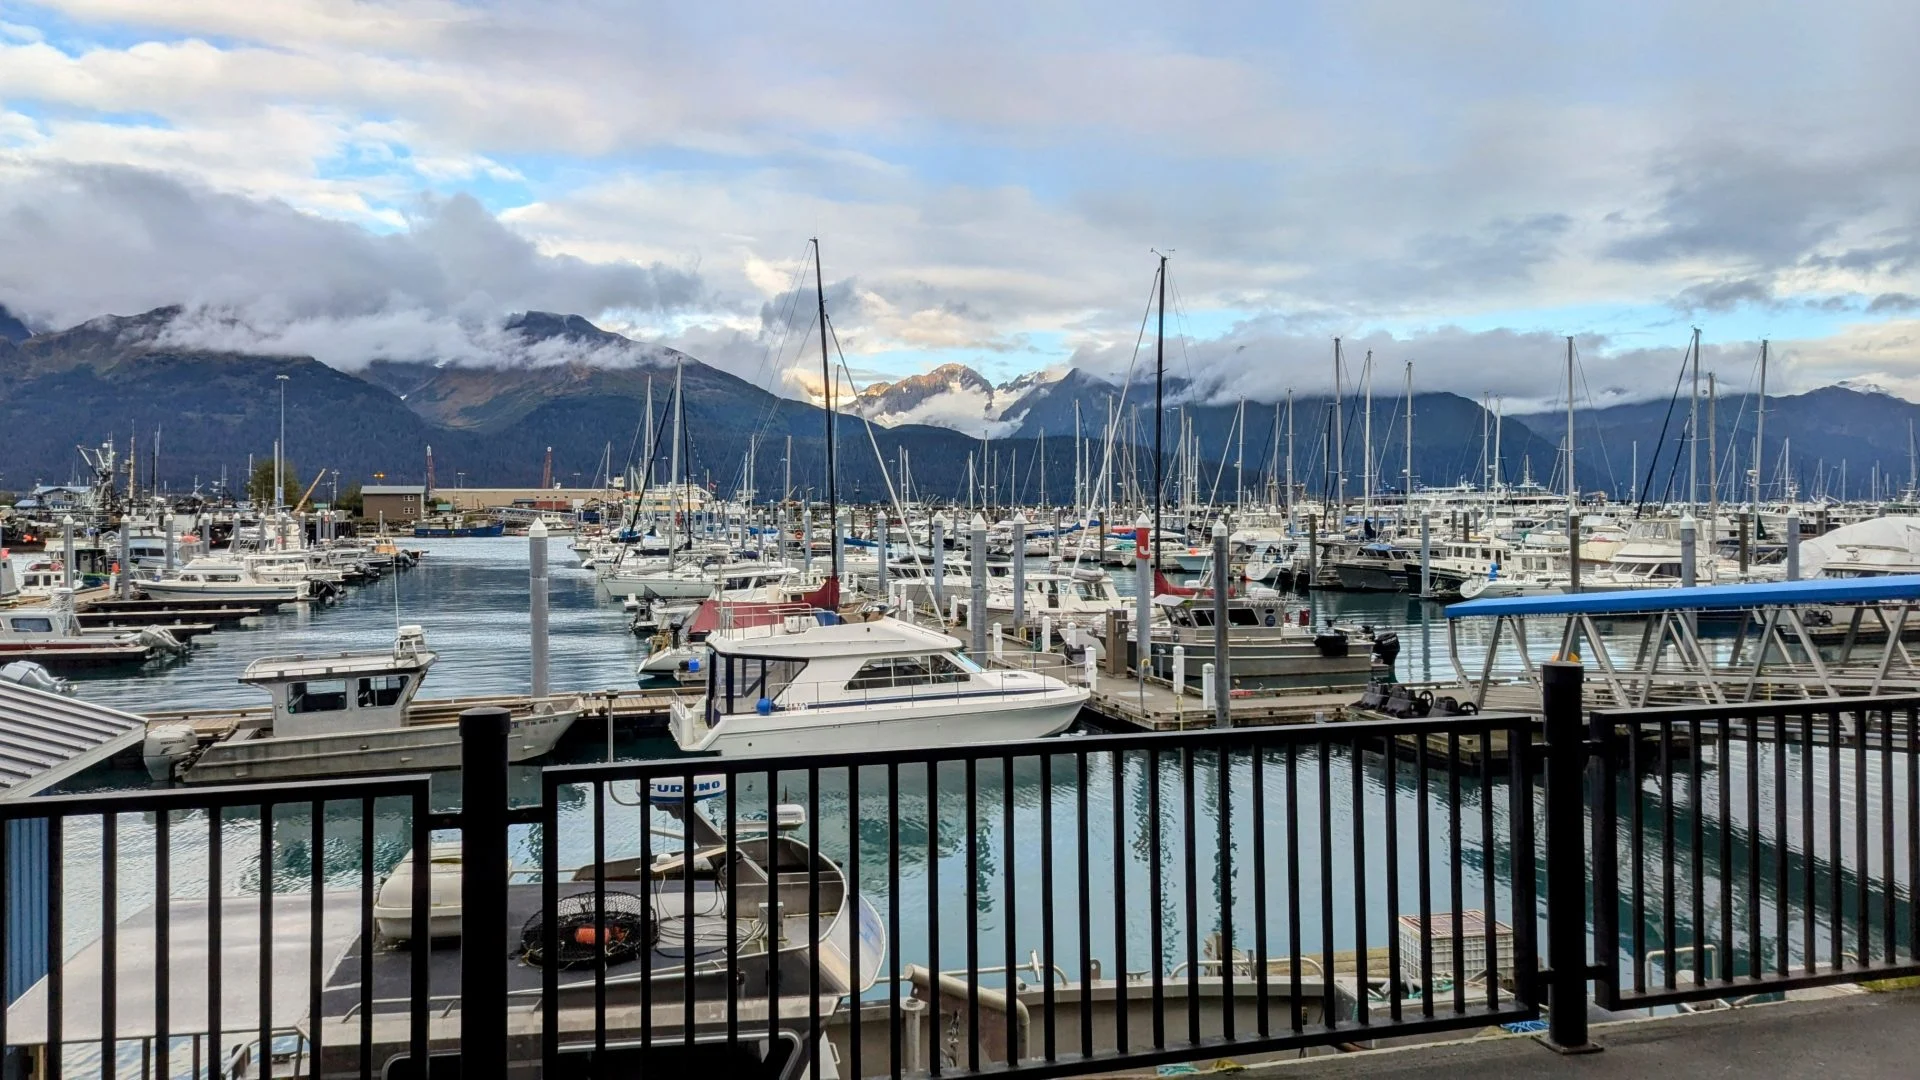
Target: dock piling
(66,544)
(1689,543)
(977,608)
(1426,555)
(938,537)
(537,592)
(1573,550)
(1793,545)
(1179,671)
(1019,569)
(169,554)
(1143,571)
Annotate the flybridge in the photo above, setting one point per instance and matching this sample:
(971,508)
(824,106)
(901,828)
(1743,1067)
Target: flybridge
(1788,639)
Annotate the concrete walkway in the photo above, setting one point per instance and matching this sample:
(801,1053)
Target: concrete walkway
(1850,1037)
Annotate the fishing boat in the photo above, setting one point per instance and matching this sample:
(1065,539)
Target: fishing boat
(443,526)
(340,715)
(53,636)
(812,682)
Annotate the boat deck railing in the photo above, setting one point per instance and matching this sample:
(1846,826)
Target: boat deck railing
(1243,892)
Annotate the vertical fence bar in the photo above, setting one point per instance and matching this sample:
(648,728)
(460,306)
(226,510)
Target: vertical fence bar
(1636,833)
(1256,768)
(1811,890)
(1863,876)
(1012,907)
(316,936)
(1754,900)
(648,930)
(1454,883)
(687,817)
(550,933)
(56,938)
(1836,886)
(597,793)
(483,889)
(1047,900)
(933,914)
(162,942)
(1156,894)
(732,864)
(776,918)
(1783,882)
(973,907)
(1889,932)
(1724,766)
(264,1000)
(851,907)
(894,1047)
(420,1002)
(1190,871)
(1560,708)
(1362,962)
(366,938)
(1603,773)
(1328,998)
(1294,1005)
(1913,828)
(109,944)
(1526,948)
(1487,850)
(1423,854)
(1120,905)
(1390,784)
(814,1032)
(1082,866)
(1669,918)
(1697,853)
(1223,814)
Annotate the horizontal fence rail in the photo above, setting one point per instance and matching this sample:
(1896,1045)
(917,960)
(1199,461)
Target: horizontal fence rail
(218,932)
(1045,908)
(1753,849)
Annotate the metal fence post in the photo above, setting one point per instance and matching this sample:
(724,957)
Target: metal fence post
(1560,709)
(483,889)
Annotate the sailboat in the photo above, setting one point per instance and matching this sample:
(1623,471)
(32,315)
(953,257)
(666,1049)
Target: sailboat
(799,678)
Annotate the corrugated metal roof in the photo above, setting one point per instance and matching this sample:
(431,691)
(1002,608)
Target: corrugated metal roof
(45,738)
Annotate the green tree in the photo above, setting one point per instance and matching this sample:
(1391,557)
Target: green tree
(260,484)
(350,500)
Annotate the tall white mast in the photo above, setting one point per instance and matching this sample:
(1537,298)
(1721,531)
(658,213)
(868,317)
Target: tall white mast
(1760,431)
(1407,501)
(1573,489)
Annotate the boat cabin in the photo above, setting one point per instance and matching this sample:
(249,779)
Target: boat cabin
(319,695)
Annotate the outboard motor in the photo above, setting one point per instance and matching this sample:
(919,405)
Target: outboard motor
(1375,696)
(34,677)
(1331,643)
(167,748)
(1386,648)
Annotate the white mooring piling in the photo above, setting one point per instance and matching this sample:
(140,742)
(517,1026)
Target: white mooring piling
(977,607)
(537,593)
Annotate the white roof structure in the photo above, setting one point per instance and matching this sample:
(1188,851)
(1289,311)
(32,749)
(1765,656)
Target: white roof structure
(1893,533)
(809,641)
(46,738)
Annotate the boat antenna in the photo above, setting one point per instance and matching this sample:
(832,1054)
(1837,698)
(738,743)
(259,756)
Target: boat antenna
(826,374)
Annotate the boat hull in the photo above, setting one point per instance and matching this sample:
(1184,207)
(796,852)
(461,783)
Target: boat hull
(907,725)
(419,748)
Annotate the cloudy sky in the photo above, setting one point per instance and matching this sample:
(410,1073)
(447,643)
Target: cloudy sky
(1453,184)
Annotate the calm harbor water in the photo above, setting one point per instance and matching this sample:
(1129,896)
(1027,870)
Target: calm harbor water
(470,596)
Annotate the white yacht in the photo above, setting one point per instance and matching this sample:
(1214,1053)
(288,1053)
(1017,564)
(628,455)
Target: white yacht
(811,683)
(340,715)
(209,579)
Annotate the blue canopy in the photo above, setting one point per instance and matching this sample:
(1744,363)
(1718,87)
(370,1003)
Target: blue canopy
(1868,590)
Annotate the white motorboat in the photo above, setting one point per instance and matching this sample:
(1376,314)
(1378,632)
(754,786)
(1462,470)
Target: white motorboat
(340,715)
(811,683)
(210,579)
(52,636)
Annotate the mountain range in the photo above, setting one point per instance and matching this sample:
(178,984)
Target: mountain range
(583,391)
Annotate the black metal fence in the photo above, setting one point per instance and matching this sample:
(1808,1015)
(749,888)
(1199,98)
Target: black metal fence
(217,919)
(1050,908)
(1174,896)
(1751,849)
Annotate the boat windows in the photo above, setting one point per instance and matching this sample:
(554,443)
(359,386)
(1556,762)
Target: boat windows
(327,695)
(32,626)
(888,672)
(381,691)
(744,681)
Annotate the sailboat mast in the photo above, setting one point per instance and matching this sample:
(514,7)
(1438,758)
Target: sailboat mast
(1693,431)
(1159,391)
(1409,488)
(1289,495)
(1366,441)
(1760,431)
(1573,490)
(826,375)
(1339,440)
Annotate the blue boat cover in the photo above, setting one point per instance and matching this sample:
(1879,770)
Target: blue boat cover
(1867,590)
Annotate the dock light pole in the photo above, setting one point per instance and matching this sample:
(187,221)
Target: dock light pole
(1222,666)
(537,592)
(1019,570)
(977,609)
(483,887)
(1143,577)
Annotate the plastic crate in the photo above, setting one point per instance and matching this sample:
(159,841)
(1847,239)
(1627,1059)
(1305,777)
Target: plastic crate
(1472,962)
